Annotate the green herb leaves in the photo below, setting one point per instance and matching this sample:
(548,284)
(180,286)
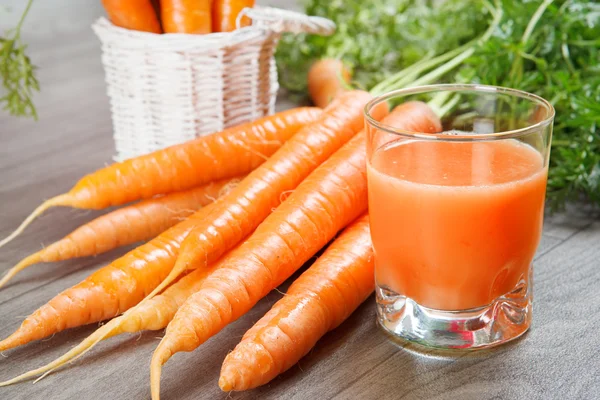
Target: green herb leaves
(17,73)
(379,38)
(550,48)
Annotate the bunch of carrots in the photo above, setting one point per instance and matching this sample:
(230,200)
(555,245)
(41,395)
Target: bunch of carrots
(177,16)
(227,217)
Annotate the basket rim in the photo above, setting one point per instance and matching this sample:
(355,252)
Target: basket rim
(268,23)
(108,33)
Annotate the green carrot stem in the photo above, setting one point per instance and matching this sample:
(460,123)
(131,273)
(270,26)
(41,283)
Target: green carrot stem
(450,59)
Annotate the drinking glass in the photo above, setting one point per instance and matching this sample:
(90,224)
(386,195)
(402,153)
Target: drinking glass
(456,206)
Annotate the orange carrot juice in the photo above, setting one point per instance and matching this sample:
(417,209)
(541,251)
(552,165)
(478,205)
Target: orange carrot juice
(455,224)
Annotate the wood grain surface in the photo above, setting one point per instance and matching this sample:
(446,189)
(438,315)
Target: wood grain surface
(558,359)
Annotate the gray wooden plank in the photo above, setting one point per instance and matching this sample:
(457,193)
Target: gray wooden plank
(547,243)
(558,359)
(565,224)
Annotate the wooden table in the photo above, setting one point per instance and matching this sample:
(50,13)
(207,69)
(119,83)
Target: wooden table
(559,358)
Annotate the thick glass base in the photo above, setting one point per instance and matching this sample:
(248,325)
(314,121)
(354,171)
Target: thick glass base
(505,319)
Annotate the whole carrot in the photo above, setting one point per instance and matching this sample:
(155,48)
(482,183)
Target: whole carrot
(236,215)
(137,15)
(317,302)
(186,16)
(126,281)
(127,225)
(225,14)
(154,314)
(327,78)
(331,197)
(233,152)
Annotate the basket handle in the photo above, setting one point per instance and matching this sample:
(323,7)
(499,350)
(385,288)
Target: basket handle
(280,21)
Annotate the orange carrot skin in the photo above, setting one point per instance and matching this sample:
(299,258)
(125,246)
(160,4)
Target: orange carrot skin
(233,152)
(317,302)
(225,14)
(110,290)
(236,215)
(158,311)
(330,198)
(134,223)
(327,78)
(222,155)
(127,225)
(186,16)
(154,314)
(125,282)
(137,15)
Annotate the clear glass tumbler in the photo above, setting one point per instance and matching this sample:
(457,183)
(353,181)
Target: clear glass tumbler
(456,204)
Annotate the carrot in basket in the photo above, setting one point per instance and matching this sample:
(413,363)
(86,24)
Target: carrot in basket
(236,215)
(127,225)
(154,314)
(331,197)
(327,78)
(225,14)
(233,152)
(186,16)
(317,302)
(138,15)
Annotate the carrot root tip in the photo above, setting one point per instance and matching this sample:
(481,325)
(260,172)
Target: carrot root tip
(11,341)
(159,358)
(107,330)
(224,384)
(60,200)
(21,265)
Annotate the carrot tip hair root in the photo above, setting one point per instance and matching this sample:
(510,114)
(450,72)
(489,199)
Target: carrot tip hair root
(159,358)
(127,322)
(59,200)
(107,330)
(21,265)
(225,384)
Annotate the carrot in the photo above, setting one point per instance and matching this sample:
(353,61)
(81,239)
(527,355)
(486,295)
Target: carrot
(156,6)
(236,215)
(332,196)
(154,314)
(137,15)
(233,152)
(124,283)
(317,302)
(134,223)
(186,16)
(110,290)
(225,14)
(327,78)
(121,285)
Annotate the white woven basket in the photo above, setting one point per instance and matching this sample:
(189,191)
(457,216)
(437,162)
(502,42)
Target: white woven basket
(170,88)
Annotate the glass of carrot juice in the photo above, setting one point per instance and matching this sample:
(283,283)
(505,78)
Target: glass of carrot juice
(456,210)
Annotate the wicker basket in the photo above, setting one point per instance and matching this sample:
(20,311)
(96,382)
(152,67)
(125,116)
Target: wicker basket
(166,89)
